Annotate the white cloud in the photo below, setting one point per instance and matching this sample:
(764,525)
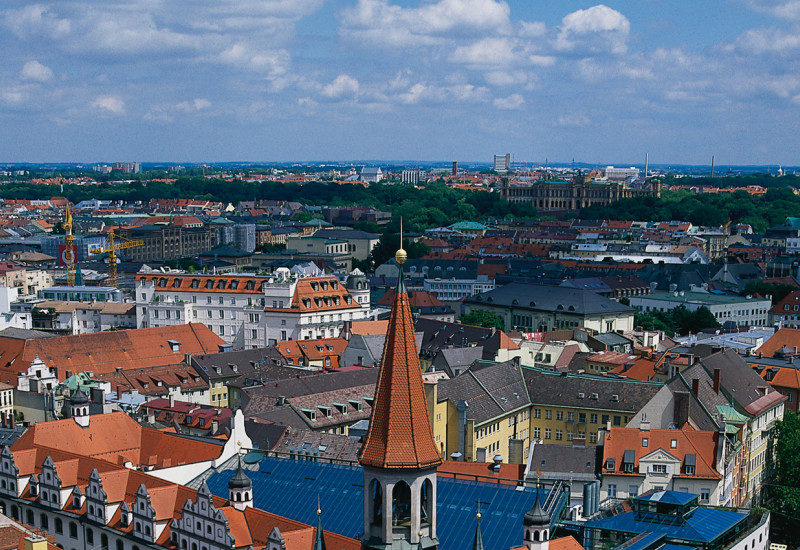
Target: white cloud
(532,29)
(767,40)
(783,9)
(421,93)
(198,104)
(489,51)
(382,23)
(109,105)
(575,120)
(343,85)
(33,70)
(512,102)
(598,29)
(36,20)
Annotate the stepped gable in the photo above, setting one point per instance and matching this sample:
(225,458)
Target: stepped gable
(399,432)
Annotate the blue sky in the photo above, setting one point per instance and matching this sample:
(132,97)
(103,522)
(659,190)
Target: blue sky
(301,80)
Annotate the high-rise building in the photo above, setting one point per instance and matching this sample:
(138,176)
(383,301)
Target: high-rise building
(502,163)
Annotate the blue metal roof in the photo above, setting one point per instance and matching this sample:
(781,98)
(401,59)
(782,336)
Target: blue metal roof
(669,497)
(700,525)
(290,488)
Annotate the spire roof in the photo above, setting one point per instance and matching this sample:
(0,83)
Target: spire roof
(240,480)
(399,431)
(477,544)
(319,539)
(536,516)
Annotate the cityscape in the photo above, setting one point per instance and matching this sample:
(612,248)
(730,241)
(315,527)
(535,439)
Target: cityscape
(399,275)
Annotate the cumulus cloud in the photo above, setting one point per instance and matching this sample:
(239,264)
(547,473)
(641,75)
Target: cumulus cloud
(783,9)
(383,23)
(343,85)
(422,93)
(36,20)
(767,40)
(109,105)
(35,71)
(598,29)
(489,51)
(512,102)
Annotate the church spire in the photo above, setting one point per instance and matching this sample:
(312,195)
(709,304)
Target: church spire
(402,439)
(399,455)
(477,544)
(319,540)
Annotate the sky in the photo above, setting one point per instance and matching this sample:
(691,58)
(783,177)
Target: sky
(426,80)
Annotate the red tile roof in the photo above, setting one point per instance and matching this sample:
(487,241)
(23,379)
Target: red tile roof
(702,444)
(103,352)
(118,439)
(399,432)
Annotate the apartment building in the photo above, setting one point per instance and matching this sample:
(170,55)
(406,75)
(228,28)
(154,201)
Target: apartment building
(250,311)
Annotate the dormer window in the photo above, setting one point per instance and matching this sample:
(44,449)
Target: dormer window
(628,461)
(177,283)
(234,284)
(690,464)
(221,284)
(250,285)
(195,283)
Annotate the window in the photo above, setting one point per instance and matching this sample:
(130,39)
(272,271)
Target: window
(582,418)
(673,444)
(659,468)
(559,415)
(537,413)
(570,417)
(59,526)
(73,530)
(633,490)
(645,442)
(537,433)
(705,494)
(612,491)
(547,433)
(593,418)
(548,414)
(593,438)
(559,435)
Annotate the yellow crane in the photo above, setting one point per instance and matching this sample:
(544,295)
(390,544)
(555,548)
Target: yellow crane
(112,248)
(69,248)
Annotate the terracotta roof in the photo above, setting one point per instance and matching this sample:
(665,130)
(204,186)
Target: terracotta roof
(319,294)
(399,432)
(226,284)
(783,337)
(702,444)
(118,439)
(103,352)
(368,328)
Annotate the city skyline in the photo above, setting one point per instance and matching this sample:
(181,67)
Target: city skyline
(299,80)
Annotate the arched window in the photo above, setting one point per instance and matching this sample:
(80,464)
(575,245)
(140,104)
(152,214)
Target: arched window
(43,521)
(247,495)
(183,544)
(426,501)
(73,530)
(536,535)
(89,536)
(59,526)
(146,529)
(401,504)
(104,541)
(237,497)
(376,492)
(29,518)
(120,545)
(14,511)
(209,530)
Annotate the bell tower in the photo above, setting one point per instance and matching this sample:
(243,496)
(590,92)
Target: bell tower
(400,456)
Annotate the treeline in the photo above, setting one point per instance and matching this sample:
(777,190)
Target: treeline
(760,211)
(431,206)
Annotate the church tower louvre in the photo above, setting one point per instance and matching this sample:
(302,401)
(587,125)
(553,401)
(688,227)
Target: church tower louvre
(400,456)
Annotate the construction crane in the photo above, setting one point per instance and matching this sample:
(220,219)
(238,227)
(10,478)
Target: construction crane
(112,248)
(69,249)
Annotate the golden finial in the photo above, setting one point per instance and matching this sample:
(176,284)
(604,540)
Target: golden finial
(478,515)
(401,255)
(420,533)
(319,509)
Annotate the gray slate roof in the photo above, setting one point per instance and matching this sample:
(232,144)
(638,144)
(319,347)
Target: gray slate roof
(549,298)
(489,392)
(564,390)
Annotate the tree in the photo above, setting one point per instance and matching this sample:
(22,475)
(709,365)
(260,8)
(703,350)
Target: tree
(481,318)
(785,501)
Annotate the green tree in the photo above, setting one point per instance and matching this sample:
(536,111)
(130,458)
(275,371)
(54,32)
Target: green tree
(778,292)
(481,318)
(784,498)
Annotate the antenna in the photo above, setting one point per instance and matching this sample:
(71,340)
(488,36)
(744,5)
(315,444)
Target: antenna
(646,161)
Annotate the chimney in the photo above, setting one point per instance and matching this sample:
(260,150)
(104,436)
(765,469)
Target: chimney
(717,378)
(187,358)
(35,542)
(680,412)
(644,426)
(171,401)
(696,387)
